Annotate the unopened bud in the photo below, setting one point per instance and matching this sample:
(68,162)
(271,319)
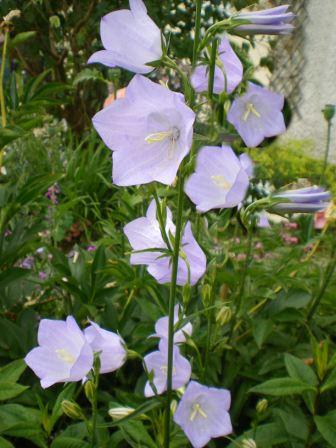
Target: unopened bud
(72,410)
(89,389)
(206,295)
(186,294)
(329,111)
(224,315)
(54,21)
(262,406)
(173,406)
(223,292)
(248,443)
(120,412)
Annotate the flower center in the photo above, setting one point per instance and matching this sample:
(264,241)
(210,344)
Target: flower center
(197,410)
(250,109)
(173,135)
(221,182)
(164,369)
(65,356)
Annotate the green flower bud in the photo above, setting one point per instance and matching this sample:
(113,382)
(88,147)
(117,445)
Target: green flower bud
(89,389)
(206,295)
(186,294)
(120,412)
(72,410)
(224,315)
(262,406)
(54,21)
(329,111)
(173,406)
(248,443)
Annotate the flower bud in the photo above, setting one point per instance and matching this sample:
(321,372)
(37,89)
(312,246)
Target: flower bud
(223,292)
(248,443)
(329,111)
(186,294)
(11,15)
(89,390)
(206,295)
(72,410)
(120,412)
(262,406)
(224,315)
(173,406)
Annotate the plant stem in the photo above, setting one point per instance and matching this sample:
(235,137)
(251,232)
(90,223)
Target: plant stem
(329,272)
(326,153)
(197,31)
(213,57)
(208,340)
(162,224)
(96,372)
(172,296)
(2,73)
(245,268)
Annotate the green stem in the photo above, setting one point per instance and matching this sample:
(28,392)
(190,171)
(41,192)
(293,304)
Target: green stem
(245,269)
(94,404)
(162,224)
(326,153)
(329,273)
(213,58)
(197,30)
(208,340)
(172,297)
(2,73)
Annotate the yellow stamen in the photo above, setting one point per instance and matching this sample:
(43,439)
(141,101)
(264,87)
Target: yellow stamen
(158,136)
(65,356)
(164,369)
(196,409)
(221,182)
(250,109)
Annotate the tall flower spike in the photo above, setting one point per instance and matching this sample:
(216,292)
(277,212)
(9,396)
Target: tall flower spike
(150,132)
(228,71)
(257,114)
(131,39)
(303,200)
(203,413)
(109,345)
(63,354)
(220,180)
(268,21)
(144,233)
(161,328)
(156,362)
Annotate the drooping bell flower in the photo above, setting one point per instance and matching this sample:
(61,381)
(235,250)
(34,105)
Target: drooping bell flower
(228,71)
(161,328)
(203,413)
(63,354)
(268,21)
(220,179)
(156,362)
(109,345)
(131,39)
(257,115)
(150,131)
(303,200)
(144,233)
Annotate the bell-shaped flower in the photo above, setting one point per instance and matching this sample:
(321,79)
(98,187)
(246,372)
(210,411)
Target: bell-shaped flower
(203,413)
(131,39)
(220,180)
(109,345)
(150,131)
(303,200)
(268,21)
(63,354)
(228,71)
(161,328)
(257,114)
(156,365)
(247,164)
(144,234)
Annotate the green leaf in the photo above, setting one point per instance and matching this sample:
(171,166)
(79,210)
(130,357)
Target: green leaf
(330,382)
(138,433)
(327,427)
(69,442)
(5,443)
(298,370)
(66,394)
(20,38)
(281,387)
(10,390)
(262,328)
(12,372)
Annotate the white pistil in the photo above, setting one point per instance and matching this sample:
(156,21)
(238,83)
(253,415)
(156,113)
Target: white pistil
(196,409)
(250,109)
(65,356)
(221,182)
(157,137)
